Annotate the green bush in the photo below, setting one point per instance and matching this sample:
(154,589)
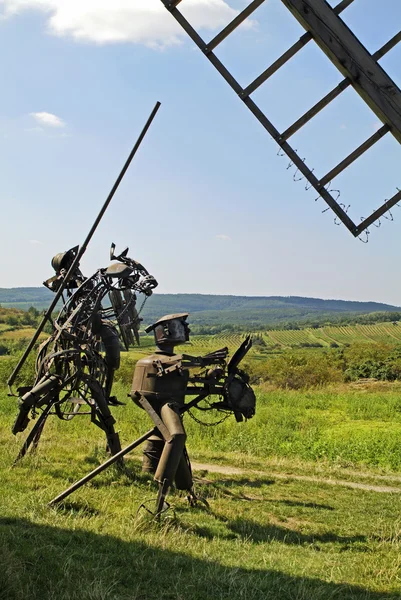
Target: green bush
(303,370)
(379,361)
(296,369)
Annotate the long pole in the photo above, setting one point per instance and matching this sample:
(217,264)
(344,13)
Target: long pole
(101,467)
(82,249)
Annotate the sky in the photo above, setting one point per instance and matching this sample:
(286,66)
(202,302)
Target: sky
(207,205)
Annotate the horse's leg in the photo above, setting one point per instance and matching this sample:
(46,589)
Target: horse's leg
(34,434)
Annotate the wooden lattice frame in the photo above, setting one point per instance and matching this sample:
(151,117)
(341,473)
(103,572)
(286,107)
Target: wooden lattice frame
(360,69)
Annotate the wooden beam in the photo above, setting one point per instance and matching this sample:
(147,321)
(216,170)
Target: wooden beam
(352,59)
(354,155)
(342,6)
(388,205)
(234,24)
(335,92)
(303,40)
(277,64)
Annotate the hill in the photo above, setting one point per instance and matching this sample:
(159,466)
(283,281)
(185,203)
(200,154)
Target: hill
(257,311)
(212,310)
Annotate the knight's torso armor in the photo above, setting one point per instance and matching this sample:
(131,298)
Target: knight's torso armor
(160,378)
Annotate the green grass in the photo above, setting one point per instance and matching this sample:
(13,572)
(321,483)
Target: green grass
(264,536)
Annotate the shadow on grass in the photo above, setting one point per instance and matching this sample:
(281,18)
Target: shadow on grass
(252,531)
(80,509)
(251,483)
(40,561)
(303,504)
(264,533)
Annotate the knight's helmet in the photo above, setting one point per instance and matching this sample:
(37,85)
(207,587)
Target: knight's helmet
(61,263)
(170,330)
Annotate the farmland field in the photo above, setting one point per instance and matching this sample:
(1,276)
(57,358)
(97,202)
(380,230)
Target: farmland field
(382,332)
(325,336)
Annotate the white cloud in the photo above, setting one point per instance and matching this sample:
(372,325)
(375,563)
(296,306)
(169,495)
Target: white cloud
(47,119)
(35,242)
(138,21)
(223,237)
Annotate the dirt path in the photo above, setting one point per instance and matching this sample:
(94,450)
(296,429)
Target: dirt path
(225,470)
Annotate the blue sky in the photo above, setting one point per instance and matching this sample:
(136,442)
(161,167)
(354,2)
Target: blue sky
(207,205)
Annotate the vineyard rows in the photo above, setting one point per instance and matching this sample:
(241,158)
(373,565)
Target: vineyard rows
(329,336)
(322,336)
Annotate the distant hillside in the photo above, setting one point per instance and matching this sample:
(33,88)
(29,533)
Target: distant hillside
(38,297)
(212,310)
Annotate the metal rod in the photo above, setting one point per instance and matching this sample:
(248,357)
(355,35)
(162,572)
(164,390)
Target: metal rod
(233,25)
(335,92)
(355,154)
(378,213)
(82,249)
(303,40)
(102,467)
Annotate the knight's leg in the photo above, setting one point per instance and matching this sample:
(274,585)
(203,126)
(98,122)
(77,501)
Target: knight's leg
(183,477)
(184,481)
(172,451)
(151,454)
(36,396)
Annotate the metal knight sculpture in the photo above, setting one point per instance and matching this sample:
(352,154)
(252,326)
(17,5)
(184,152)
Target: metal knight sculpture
(71,370)
(161,384)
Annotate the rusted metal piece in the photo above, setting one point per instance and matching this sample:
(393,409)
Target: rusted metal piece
(34,435)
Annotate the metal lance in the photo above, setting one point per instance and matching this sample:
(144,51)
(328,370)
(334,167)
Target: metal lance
(82,249)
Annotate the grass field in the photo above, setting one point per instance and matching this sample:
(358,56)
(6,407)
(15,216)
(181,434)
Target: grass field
(288,526)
